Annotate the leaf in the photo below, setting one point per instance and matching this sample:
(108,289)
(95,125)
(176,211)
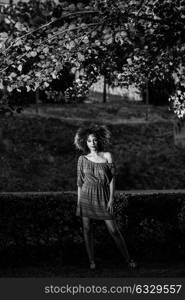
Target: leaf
(53,75)
(46,84)
(38,74)
(50,36)
(80,5)
(109,41)
(7,21)
(70,45)
(73,70)
(20,68)
(86,40)
(93,34)
(13,75)
(27,48)
(28,88)
(1,85)
(83,25)
(2,46)
(9,89)
(18,43)
(72,7)
(33,53)
(72,27)
(81,57)
(106,31)
(97,43)
(123,33)
(46,50)
(3,36)
(36,86)
(129,61)
(19,26)
(107,36)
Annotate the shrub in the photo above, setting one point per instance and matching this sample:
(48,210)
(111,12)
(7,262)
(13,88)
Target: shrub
(153,224)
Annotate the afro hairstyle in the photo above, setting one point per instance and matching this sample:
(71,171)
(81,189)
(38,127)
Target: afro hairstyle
(101,132)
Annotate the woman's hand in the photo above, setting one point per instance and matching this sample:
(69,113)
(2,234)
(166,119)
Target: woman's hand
(110,206)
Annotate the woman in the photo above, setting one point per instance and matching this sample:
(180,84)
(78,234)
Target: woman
(95,181)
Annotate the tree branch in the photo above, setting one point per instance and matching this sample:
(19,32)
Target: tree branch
(77,27)
(145,18)
(49,23)
(58,33)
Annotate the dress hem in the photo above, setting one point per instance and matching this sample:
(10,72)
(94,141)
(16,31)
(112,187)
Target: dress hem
(95,218)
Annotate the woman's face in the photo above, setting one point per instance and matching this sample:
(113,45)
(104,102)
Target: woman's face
(92,142)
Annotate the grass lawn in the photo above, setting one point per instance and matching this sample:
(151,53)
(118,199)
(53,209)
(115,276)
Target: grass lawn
(38,154)
(115,111)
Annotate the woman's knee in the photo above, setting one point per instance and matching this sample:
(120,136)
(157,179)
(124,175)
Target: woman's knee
(115,232)
(86,226)
(113,229)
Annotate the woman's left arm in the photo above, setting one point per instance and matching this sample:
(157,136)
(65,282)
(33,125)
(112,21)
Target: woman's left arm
(112,185)
(112,189)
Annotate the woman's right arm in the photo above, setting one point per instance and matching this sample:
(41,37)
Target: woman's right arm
(79,193)
(80,176)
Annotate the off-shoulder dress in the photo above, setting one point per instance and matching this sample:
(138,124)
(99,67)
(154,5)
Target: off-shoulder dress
(94,179)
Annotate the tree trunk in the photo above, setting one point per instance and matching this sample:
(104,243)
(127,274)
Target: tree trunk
(147,101)
(37,101)
(104,90)
(179,132)
(5,95)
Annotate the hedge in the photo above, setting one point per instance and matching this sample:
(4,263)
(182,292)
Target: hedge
(152,223)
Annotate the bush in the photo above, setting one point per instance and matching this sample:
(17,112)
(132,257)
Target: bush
(153,224)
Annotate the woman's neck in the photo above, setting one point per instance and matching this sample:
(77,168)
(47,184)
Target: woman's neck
(94,153)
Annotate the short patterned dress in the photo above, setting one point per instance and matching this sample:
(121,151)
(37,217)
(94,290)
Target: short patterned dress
(94,179)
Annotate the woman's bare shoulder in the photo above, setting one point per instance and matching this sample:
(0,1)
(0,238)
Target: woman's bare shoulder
(80,157)
(108,156)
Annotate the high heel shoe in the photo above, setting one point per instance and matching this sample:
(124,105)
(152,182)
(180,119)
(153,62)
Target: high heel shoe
(92,265)
(132,265)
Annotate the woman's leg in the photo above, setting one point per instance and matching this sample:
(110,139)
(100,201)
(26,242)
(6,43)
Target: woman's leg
(118,238)
(88,237)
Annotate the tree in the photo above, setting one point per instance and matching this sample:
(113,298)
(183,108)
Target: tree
(160,54)
(138,41)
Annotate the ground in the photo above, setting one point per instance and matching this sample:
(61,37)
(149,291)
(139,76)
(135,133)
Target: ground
(105,269)
(108,266)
